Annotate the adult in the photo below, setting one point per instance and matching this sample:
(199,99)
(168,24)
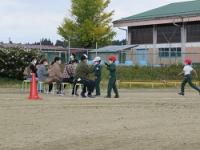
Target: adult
(82,76)
(42,71)
(31,68)
(69,74)
(55,73)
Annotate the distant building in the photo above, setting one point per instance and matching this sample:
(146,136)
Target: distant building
(165,35)
(123,53)
(49,51)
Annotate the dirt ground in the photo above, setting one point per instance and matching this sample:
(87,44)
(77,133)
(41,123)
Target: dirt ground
(139,120)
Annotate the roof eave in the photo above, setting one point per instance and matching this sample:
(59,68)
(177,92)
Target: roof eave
(163,20)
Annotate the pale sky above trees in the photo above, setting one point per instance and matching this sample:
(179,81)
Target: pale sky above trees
(30,20)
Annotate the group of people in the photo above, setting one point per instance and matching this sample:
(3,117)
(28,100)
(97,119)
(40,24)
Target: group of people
(75,73)
(80,72)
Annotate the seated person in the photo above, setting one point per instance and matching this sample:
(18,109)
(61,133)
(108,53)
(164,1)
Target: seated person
(69,73)
(42,72)
(30,69)
(82,76)
(55,74)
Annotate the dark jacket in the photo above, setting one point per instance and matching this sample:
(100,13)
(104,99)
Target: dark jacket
(83,70)
(97,71)
(112,70)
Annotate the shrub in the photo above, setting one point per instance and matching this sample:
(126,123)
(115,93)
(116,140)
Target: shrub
(129,73)
(14,60)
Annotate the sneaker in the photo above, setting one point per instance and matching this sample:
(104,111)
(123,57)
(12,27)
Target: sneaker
(182,94)
(107,96)
(90,96)
(61,94)
(83,95)
(97,95)
(116,96)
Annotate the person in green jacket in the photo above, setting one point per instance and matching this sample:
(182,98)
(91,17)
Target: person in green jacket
(82,76)
(112,77)
(97,73)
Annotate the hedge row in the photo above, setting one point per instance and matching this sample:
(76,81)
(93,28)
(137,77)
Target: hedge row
(148,73)
(14,60)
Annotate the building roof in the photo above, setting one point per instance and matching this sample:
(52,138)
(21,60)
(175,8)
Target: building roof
(32,46)
(42,47)
(173,10)
(114,48)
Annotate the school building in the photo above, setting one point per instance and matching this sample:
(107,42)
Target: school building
(165,35)
(123,53)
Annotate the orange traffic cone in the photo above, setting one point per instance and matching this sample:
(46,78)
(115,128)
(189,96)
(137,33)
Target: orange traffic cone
(33,89)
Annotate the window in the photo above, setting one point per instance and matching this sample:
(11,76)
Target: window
(193,32)
(170,52)
(168,34)
(122,57)
(142,35)
(164,52)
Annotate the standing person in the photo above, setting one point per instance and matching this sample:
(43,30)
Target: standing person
(112,77)
(82,76)
(69,73)
(97,73)
(187,70)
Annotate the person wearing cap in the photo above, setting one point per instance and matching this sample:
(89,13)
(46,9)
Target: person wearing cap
(82,76)
(112,77)
(187,70)
(97,74)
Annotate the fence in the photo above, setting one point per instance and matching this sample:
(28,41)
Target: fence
(140,58)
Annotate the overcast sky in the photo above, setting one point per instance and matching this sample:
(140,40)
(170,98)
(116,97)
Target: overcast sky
(29,20)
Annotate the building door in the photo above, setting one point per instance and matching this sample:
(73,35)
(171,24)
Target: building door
(122,57)
(141,57)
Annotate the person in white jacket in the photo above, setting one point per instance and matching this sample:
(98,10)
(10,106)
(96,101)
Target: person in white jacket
(187,70)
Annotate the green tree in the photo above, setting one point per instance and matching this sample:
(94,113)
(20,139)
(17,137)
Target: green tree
(44,41)
(90,23)
(119,42)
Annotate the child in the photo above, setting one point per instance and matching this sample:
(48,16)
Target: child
(112,77)
(187,76)
(97,73)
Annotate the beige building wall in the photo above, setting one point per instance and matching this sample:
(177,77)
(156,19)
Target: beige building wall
(192,50)
(193,53)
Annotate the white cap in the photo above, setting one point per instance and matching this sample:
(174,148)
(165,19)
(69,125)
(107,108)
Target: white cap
(71,57)
(97,59)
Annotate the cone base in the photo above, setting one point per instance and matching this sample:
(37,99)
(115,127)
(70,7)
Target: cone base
(35,98)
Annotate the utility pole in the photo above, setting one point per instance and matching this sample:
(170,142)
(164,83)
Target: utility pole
(69,47)
(96,48)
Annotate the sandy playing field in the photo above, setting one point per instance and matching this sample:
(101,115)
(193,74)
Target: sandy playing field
(139,120)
